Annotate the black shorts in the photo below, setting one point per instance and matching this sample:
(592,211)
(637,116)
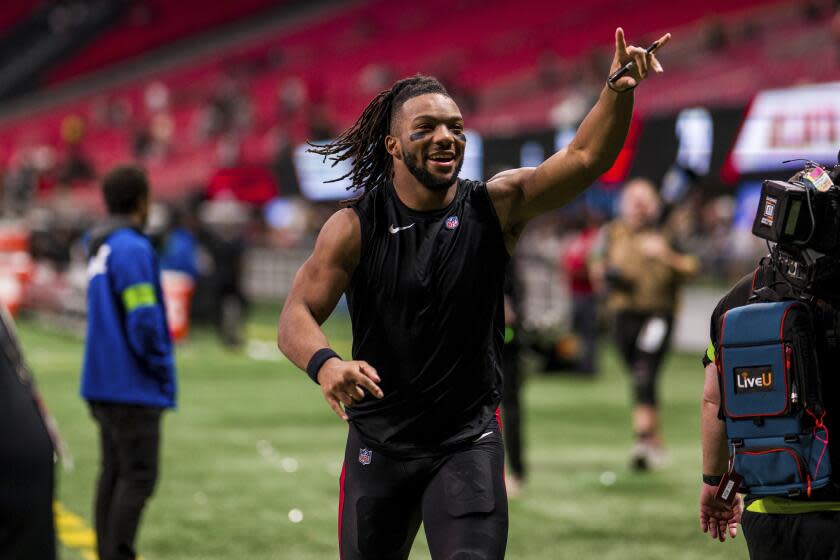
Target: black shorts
(642,353)
(801,536)
(459,497)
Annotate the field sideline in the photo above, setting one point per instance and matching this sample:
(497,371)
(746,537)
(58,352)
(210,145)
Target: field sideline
(253,440)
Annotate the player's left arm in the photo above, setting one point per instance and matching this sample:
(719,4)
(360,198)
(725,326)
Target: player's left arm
(521,194)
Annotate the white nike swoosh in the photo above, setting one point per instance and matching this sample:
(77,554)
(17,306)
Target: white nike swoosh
(395,229)
(482,436)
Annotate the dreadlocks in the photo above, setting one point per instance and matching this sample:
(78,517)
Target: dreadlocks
(364,142)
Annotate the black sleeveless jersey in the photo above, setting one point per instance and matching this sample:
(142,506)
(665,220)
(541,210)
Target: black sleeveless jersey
(427,312)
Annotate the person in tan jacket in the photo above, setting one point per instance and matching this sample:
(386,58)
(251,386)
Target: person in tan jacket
(639,270)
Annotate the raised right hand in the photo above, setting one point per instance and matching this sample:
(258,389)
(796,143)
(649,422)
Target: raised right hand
(344,383)
(643,60)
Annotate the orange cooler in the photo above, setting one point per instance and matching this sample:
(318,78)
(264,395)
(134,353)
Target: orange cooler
(178,289)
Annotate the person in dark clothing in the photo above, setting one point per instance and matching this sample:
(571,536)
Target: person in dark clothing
(775,526)
(512,387)
(27,527)
(128,376)
(229,303)
(219,234)
(421,256)
(584,300)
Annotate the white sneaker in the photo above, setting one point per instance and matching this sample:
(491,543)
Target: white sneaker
(647,456)
(658,458)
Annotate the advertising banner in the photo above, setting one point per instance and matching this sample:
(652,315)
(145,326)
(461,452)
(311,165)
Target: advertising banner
(793,123)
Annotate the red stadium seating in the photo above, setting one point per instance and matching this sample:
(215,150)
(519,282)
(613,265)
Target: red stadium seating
(13,12)
(160,22)
(490,49)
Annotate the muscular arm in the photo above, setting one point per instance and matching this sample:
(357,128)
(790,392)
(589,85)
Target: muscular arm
(315,292)
(317,287)
(521,194)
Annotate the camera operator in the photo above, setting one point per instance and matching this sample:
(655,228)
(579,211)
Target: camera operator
(779,523)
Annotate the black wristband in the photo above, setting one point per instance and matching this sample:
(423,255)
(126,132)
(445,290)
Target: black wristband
(316,362)
(712,479)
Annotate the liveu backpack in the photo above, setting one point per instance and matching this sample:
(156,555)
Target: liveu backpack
(771,400)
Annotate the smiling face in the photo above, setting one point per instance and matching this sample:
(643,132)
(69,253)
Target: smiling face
(427,137)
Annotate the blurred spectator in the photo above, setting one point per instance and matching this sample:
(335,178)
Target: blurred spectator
(152,136)
(110,112)
(75,165)
(178,246)
(375,77)
(128,376)
(228,150)
(221,235)
(575,261)
(714,35)
(177,250)
(156,97)
(31,170)
(291,97)
(141,140)
(227,110)
(171,229)
(713,242)
(283,163)
(52,234)
(19,185)
(684,222)
(72,129)
(320,122)
(641,272)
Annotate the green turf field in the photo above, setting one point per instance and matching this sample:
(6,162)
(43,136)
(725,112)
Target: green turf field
(253,440)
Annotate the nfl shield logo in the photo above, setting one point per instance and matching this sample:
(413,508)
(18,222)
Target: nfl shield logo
(365,456)
(451,222)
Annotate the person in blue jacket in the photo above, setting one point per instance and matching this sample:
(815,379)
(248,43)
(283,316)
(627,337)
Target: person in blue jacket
(128,375)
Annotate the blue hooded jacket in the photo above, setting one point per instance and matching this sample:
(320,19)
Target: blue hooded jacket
(128,349)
